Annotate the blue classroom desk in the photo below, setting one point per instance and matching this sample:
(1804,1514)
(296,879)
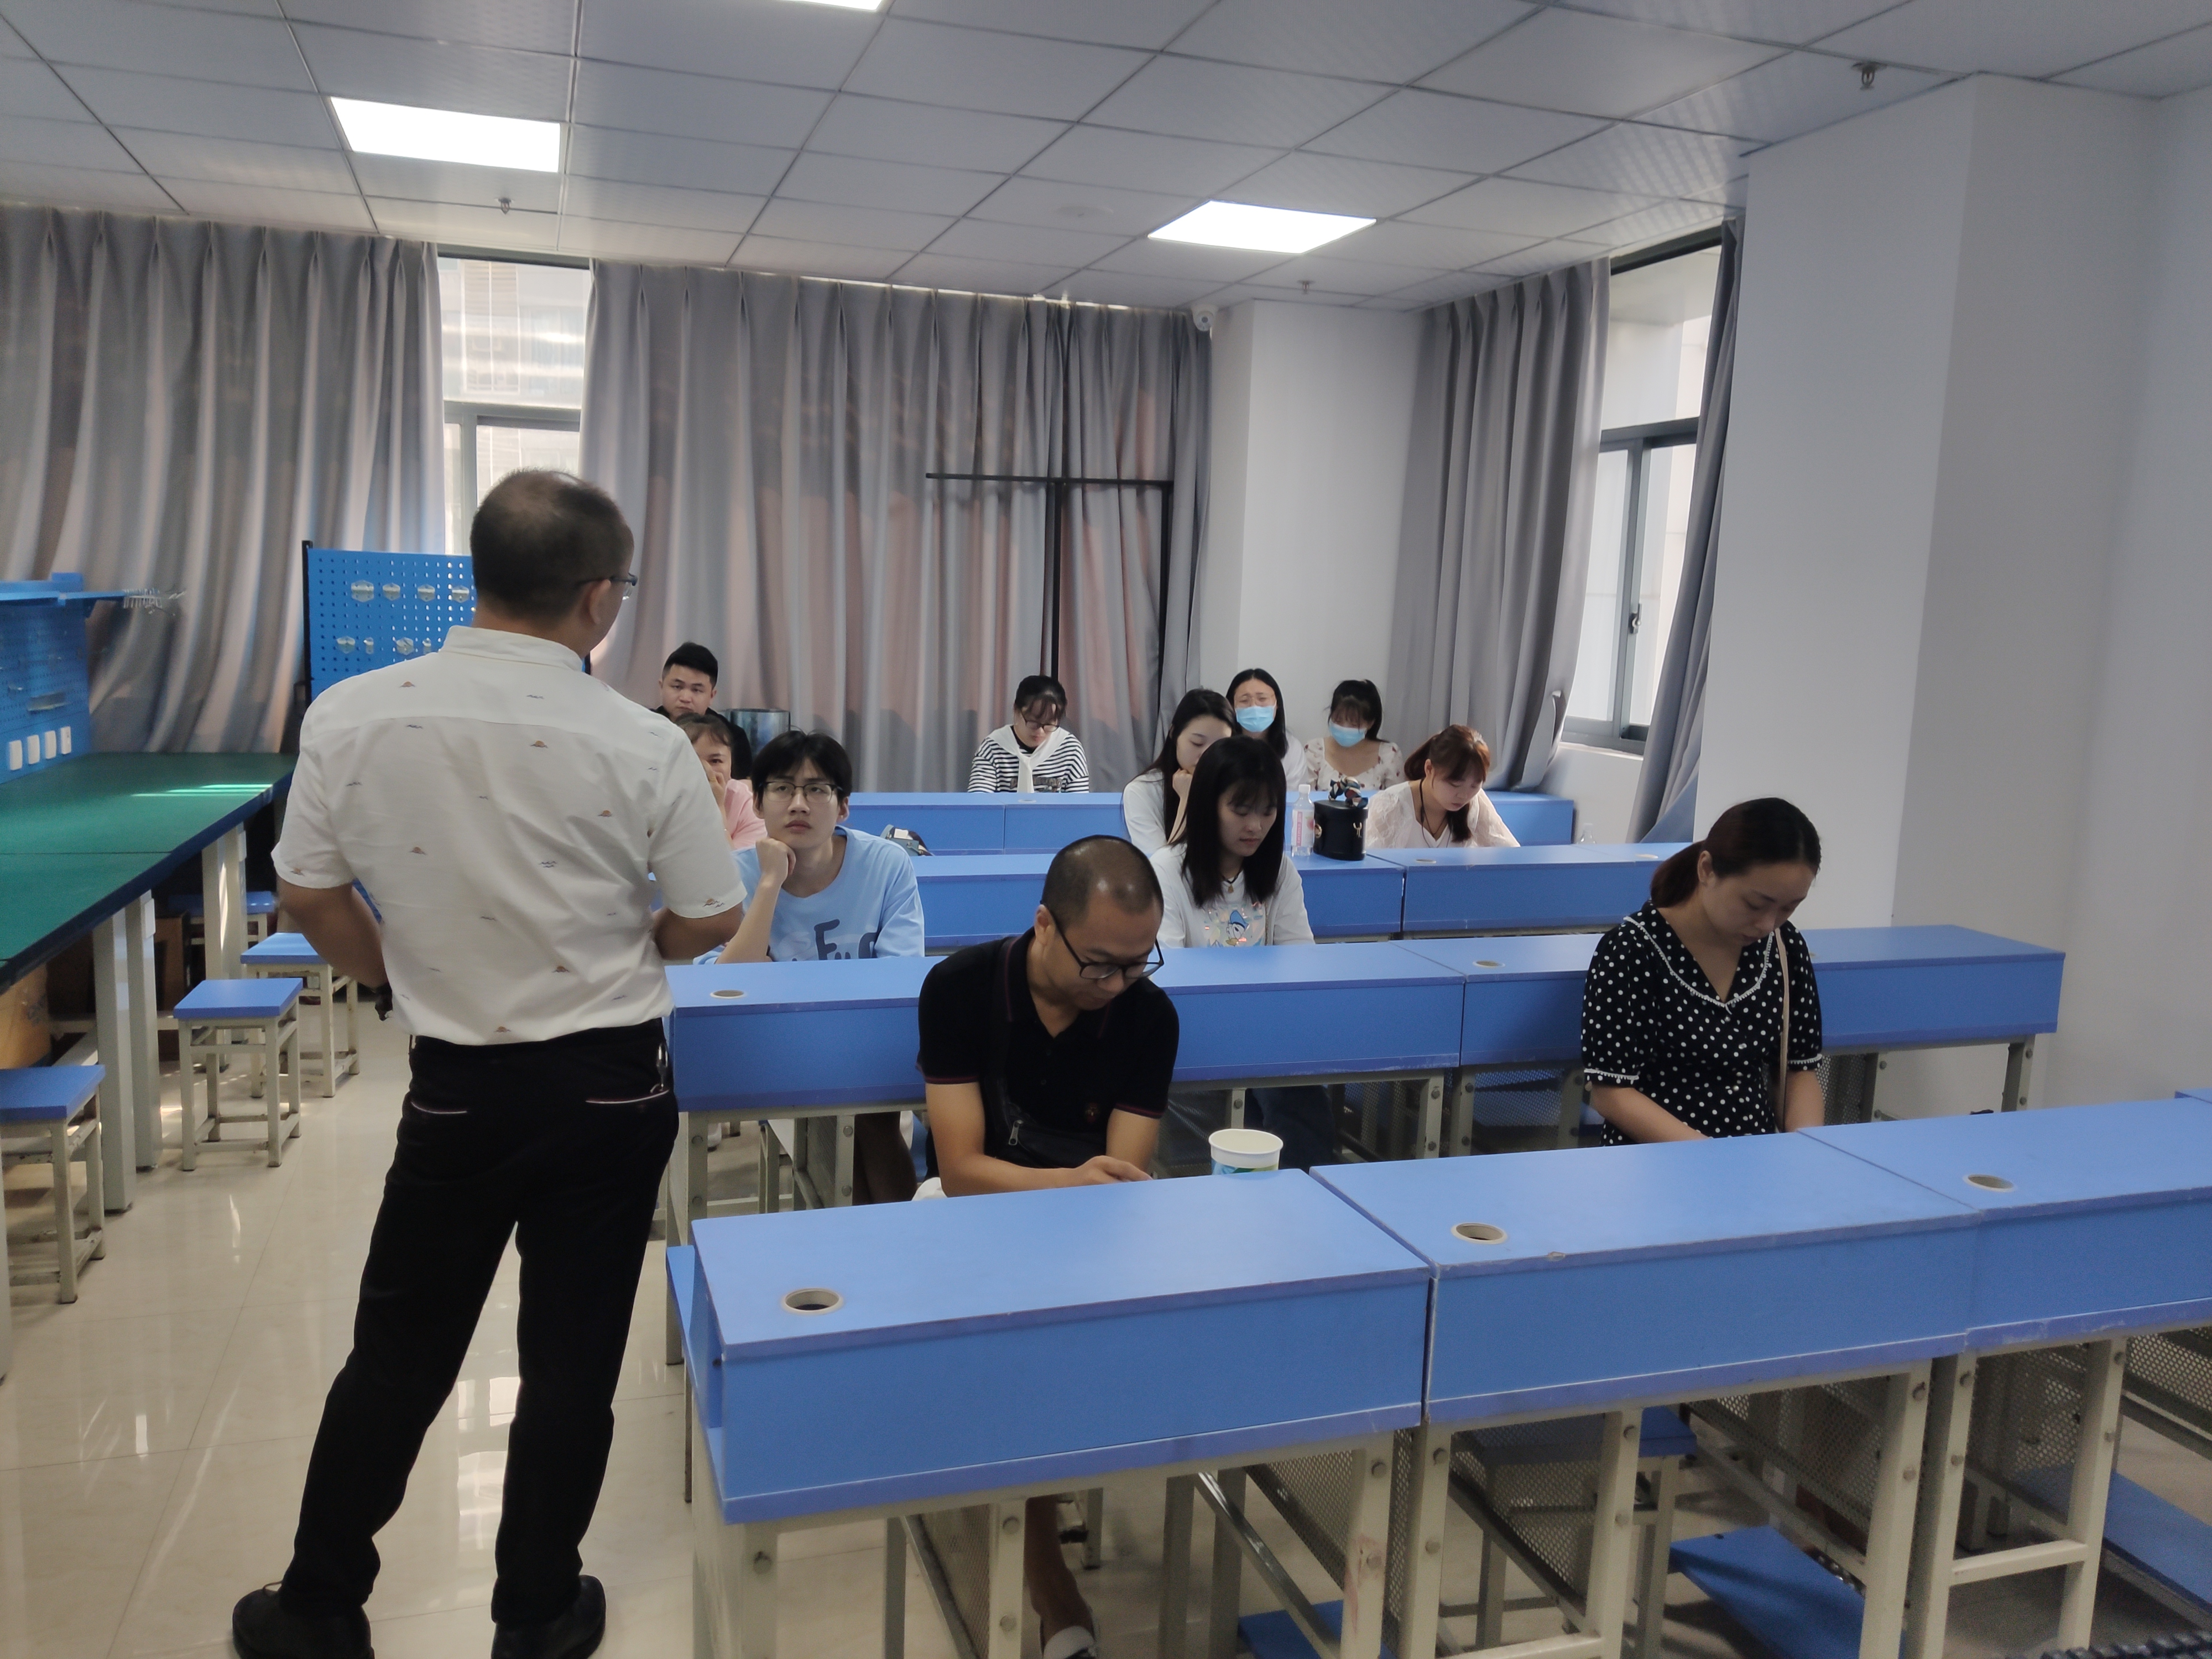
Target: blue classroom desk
(1535,819)
(2095,1224)
(1169,1327)
(1348,898)
(1514,890)
(957,822)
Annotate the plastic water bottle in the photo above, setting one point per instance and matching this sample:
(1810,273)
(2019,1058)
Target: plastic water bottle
(1302,823)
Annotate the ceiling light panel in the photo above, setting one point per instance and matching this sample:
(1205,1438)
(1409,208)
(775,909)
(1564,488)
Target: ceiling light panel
(445,135)
(1276,230)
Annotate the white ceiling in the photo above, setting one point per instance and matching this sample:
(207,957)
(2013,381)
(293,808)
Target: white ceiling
(1022,146)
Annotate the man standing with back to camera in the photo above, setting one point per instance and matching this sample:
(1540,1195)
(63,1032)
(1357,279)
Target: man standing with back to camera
(505,810)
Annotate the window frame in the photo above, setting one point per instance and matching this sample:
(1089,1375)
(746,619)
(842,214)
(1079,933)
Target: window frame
(1616,730)
(469,414)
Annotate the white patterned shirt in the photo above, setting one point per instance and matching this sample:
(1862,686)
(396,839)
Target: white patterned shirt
(1232,916)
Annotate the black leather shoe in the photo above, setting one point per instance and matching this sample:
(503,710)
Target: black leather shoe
(575,1634)
(261,1629)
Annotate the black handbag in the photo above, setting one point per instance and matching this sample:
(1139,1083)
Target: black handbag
(1341,823)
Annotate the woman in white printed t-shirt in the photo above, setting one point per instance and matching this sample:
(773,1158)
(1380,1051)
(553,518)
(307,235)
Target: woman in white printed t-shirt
(1257,702)
(1442,802)
(1032,752)
(1354,750)
(1226,882)
(1151,805)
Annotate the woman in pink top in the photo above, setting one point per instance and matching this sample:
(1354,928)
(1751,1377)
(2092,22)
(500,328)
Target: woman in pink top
(715,744)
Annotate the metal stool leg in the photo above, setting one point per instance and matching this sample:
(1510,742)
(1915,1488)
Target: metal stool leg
(189,1051)
(64,1214)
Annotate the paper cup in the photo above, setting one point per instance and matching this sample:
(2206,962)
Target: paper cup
(1245,1151)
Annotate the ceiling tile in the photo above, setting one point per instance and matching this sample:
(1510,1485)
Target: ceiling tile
(889,130)
(1036,245)
(63,145)
(1081,207)
(1792,20)
(122,98)
(163,40)
(524,25)
(1114,288)
(410,180)
(1376,40)
(1426,247)
(1595,65)
(469,226)
(1146,24)
(2007,38)
(852,183)
(1656,224)
(652,158)
(778,253)
(28,181)
(1191,259)
(974,69)
(2180,64)
(1340,184)
(1797,94)
(1545,256)
(1650,160)
(1140,161)
(237,161)
(980,275)
(696,106)
(260,204)
(1236,293)
(659,204)
(1231,103)
(756,39)
(1466,135)
(815,222)
(612,239)
(1441,290)
(1520,206)
(28,88)
(429,74)
(1334,276)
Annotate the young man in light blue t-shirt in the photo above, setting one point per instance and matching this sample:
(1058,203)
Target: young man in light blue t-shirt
(815,891)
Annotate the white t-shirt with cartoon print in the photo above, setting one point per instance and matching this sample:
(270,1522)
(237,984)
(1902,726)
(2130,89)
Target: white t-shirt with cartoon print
(1233,917)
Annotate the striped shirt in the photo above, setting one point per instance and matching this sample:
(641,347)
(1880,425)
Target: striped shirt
(996,768)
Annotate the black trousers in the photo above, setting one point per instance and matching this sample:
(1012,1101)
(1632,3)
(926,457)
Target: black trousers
(560,1143)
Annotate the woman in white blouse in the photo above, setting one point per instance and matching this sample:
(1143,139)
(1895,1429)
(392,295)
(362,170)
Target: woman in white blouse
(1441,803)
(1352,751)
(1258,703)
(1151,805)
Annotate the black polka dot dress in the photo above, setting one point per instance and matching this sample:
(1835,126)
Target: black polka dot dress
(1651,1023)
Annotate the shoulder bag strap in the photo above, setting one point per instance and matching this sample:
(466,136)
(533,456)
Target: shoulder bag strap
(1782,1063)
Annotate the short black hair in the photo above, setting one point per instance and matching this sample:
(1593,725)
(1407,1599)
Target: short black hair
(1362,695)
(782,757)
(540,537)
(1100,864)
(693,655)
(709,725)
(1040,688)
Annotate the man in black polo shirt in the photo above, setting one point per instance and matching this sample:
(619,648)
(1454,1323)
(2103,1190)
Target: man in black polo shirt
(1047,1060)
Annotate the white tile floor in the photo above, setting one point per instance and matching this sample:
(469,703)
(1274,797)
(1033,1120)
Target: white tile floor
(153,1435)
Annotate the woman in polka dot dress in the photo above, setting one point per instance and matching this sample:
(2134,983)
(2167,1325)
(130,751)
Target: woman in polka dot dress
(1682,1012)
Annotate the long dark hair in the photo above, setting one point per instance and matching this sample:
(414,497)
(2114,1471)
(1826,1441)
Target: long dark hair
(1453,753)
(1364,695)
(1278,736)
(1195,705)
(1751,833)
(1240,771)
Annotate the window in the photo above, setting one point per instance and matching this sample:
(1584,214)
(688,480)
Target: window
(1655,373)
(515,375)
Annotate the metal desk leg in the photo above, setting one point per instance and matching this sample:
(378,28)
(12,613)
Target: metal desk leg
(895,1587)
(2019,1058)
(1225,1596)
(733,1578)
(1936,1530)
(1175,1568)
(1613,1528)
(1235,1109)
(2092,1481)
(1432,1117)
(113,1034)
(843,1160)
(1571,1107)
(684,1201)
(233,913)
(1459,1124)
(1889,1529)
(1004,1638)
(1490,1597)
(1651,1590)
(145,1033)
(1367,1553)
(1424,1573)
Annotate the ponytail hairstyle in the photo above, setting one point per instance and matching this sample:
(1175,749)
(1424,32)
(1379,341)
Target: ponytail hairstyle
(1459,754)
(1278,736)
(1241,772)
(1200,704)
(1749,833)
(1362,695)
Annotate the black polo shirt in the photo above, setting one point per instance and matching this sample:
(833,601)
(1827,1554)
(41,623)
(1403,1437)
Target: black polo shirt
(1118,1059)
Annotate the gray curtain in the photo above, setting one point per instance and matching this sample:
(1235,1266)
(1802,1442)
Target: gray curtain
(1494,547)
(182,404)
(769,437)
(1667,788)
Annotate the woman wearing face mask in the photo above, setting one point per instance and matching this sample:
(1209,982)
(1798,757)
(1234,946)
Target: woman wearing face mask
(1441,803)
(1152,805)
(1700,1015)
(1352,751)
(1258,701)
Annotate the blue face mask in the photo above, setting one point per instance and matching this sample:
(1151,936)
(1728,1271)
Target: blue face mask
(1347,736)
(1255,718)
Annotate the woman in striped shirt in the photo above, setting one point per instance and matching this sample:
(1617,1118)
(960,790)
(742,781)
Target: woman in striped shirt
(1032,752)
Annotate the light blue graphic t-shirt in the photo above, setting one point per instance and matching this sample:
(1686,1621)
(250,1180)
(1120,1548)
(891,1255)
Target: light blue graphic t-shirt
(872,909)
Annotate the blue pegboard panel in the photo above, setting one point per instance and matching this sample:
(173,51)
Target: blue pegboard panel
(46,701)
(369,610)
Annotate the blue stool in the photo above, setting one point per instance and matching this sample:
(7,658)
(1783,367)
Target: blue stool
(260,910)
(257,1018)
(45,1117)
(290,954)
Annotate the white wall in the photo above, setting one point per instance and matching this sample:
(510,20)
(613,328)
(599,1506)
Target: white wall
(1602,783)
(1313,412)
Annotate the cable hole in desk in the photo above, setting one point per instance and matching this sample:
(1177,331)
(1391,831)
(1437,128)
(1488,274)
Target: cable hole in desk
(1480,1232)
(1489,964)
(813,1300)
(729,993)
(1994,1183)
(1425,861)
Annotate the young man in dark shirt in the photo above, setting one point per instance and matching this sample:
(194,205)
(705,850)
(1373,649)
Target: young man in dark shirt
(1047,1060)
